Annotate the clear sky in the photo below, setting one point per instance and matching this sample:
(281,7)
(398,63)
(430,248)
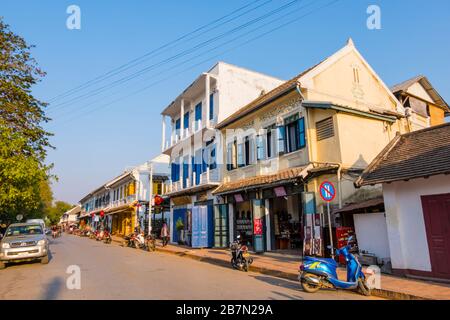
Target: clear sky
(105,128)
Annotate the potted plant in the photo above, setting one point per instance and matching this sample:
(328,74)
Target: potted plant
(179,225)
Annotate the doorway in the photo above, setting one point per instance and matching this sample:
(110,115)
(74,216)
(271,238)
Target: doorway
(436,211)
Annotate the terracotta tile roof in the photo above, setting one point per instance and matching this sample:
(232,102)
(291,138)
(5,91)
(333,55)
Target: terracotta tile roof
(264,99)
(413,155)
(282,176)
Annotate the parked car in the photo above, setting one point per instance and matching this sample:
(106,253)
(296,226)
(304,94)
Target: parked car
(24,242)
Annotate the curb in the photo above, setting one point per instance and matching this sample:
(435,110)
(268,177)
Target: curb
(382,293)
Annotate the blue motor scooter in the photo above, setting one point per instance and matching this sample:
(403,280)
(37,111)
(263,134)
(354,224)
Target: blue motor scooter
(316,273)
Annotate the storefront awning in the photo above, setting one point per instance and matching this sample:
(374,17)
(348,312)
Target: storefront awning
(124,207)
(281,177)
(363,206)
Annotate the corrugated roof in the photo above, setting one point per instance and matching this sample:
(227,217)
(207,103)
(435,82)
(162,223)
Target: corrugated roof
(413,155)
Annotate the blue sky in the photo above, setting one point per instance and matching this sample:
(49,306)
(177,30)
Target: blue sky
(96,138)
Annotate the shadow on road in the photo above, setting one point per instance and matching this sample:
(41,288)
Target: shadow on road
(53,289)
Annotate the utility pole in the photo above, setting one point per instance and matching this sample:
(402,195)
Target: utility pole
(150,204)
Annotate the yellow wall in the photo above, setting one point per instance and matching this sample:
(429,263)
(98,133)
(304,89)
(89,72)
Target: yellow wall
(436,115)
(336,83)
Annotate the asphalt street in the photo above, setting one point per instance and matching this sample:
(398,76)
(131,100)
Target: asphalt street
(114,272)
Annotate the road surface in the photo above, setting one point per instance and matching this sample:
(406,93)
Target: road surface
(113,272)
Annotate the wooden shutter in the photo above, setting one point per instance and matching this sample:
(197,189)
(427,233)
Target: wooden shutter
(324,129)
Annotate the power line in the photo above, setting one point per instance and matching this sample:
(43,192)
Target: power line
(137,60)
(176,56)
(210,58)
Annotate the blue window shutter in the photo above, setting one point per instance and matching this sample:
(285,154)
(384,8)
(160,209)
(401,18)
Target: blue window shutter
(178,124)
(281,139)
(240,155)
(301,133)
(211,106)
(186,120)
(230,156)
(260,150)
(205,159)
(198,112)
(213,161)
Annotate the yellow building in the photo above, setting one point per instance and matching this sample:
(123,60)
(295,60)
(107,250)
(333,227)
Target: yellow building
(326,124)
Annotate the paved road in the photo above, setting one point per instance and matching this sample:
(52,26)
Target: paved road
(114,272)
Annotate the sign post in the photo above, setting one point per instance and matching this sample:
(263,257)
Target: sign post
(328,193)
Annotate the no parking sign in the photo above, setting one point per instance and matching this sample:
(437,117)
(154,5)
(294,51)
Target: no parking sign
(327,191)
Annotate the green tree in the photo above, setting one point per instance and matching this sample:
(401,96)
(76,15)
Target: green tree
(57,210)
(23,141)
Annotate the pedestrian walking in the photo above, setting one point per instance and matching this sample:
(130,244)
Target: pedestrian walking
(165,234)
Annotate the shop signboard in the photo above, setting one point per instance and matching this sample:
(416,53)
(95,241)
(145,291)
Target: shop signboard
(258,227)
(238,198)
(258,214)
(280,191)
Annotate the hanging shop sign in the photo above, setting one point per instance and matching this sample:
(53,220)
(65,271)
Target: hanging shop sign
(238,198)
(280,191)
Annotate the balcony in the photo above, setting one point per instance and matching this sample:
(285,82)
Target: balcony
(210,177)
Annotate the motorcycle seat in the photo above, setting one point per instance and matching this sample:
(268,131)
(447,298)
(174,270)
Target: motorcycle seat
(324,260)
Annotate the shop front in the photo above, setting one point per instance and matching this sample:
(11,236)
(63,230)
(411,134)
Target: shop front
(123,219)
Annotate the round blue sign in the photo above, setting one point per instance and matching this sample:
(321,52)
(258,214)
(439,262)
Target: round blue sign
(327,191)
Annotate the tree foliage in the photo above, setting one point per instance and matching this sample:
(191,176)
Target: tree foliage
(23,141)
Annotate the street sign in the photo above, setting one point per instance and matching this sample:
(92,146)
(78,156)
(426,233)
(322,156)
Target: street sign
(327,191)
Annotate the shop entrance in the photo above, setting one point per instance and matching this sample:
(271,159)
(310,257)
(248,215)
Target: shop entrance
(244,222)
(286,222)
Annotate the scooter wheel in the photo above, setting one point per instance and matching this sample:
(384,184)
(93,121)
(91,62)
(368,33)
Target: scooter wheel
(308,287)
(363,287)
(246,266)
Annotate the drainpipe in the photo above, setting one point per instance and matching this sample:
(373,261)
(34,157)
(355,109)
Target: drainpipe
(339,171)
(299,91)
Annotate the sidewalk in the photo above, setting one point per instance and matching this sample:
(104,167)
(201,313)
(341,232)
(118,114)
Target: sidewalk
(286,266)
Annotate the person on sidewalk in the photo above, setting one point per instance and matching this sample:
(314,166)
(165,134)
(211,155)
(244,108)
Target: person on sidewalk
(165,234)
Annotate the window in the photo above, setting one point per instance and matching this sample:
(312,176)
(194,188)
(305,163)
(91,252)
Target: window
(185,171)
(198,115)
(175,171)
(260,147)
(324,129)
(177,127)
(186,121)
(249,151)
(240,155)
(292,136)
(211,106)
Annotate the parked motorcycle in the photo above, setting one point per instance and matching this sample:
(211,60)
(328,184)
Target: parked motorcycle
(107,237)
(241,259)
(150,242)
(316,273)
(129,240)
(139,241)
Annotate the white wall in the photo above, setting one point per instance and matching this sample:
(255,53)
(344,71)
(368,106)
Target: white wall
(238,86)
(405,222)
(371,232)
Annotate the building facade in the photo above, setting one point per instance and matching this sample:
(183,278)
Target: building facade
(326,124)
(122,203)
(414,172)
(193,148)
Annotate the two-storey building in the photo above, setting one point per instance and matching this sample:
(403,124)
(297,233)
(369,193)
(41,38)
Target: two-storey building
(325,124)
(122,203)
(193,147)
